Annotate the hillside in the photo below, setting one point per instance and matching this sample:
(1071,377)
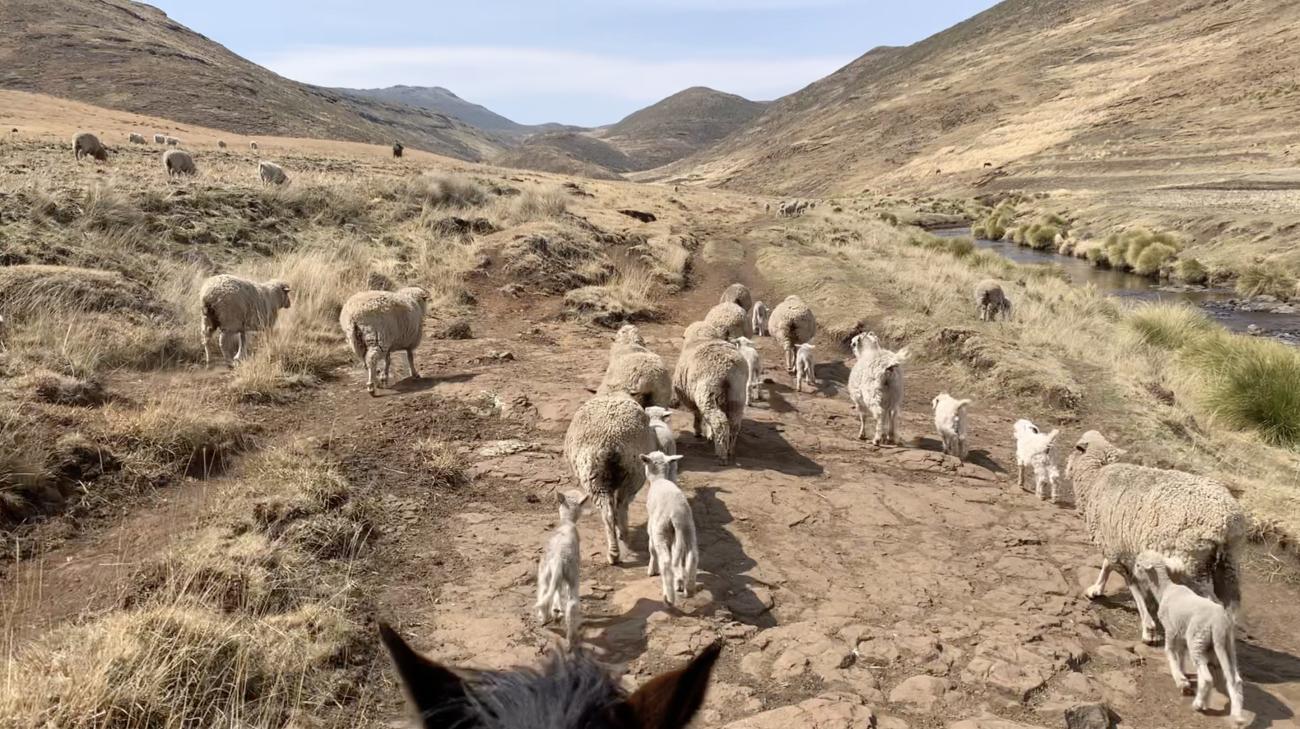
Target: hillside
(131,56)
(443,101)
(568,153)
(682,124)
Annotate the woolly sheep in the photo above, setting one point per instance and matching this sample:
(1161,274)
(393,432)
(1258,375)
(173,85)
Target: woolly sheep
(753,364)
(252,146)
(876,387)
(1194,625)
(602,446)
(377,322)
(866,341)
(711,380)
(397,149)
(1034,451)
(627,339)
(739,295)
(792,323)
(804,368)
(134,138)
(173,142)
(758,319)
(702,331)
(177,162)
(236,307)
(221,144)
(159,139)
(670,526)
(1191,521)
(727,318)
(559,569)
(271,173)
(88,145)
(991,301)
(642,375)
(950,419)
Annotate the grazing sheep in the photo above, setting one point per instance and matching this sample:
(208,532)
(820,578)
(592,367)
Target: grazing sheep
(1034,451)
(558,570)
(804,368)
(702,331)
(727,318)
(252,146)
(571,691)
(642,375)
(712,381)
(758,319)
(950,420)
(1194,625)
(753,363)
(221,144)
(236,307)
(602,446)
(377,322)
(876,387)
(173,142)
(397,149)
(792,323)
(159,139)
(271,174)
(1191,521)
(177,162)
(783,210)
(670,526)
(134,138)
(665,441)
(739,295)
(88,145)
(991,301)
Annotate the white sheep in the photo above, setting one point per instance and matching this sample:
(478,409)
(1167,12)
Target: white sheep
(173,142)
(135,138)
(271,174)
(1196,627)
(88,145)
(950,419)
(727,318)
(990,300)
(670,526)
(602,446)
(177,162)
(749,353)
(758,319)
(792,323)
(712,380)
(236,307)
(739,295)
(876,387)
(159,139)
(636,370)
(1191,521)
(377,322)
(1034,451)
(701,331)
(559,569)
(804,368)
(665,441)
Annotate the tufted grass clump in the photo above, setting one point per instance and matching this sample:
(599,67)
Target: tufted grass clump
(1265,280)
(1250,383)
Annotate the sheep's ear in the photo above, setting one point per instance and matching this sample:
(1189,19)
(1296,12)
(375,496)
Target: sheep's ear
(935,402)
(645,459)
(903,354)
(670,700)
(559,498)
(674,459)
(1052,436)
(1081,446)
(432,689)
(583,500)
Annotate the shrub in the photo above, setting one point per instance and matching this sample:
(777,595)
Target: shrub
(1190,271)
(1041,236)
(1260,280)
(1169,326)
(1152,257)
(1250,383)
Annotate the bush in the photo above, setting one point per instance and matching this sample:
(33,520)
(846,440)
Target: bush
(1152,257)
(1169,326)
(1250,383)
(1261,280)
(1190,271)
(1041,236)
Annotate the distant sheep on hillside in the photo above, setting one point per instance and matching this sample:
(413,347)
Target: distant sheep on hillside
(177,162)
(159,139)
(134,138)
(88,145)
(271,174)
(397,149)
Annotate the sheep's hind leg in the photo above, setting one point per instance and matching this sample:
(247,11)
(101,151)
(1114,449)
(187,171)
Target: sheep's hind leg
(372,368)
(1150,630)
(229,343)
(410,364)
(1204,678)
(610,519)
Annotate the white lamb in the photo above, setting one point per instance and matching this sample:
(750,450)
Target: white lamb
(558,571)
(755,365)
(664,439)
(876,387)
(804,369)
(671,529)
(950,419)
(1034,451)
(237,307)
(758,319)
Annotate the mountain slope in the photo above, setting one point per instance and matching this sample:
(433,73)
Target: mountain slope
(568,153)
(436,98)
(131,56)
(684,123)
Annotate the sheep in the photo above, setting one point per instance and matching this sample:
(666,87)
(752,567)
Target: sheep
(991,301)
(1192,521)
(377,322)
(950,420)
(753,364)
(173,142)
(804,369)
(570,691)
(252,146)
(876,387)
(558,570)
(642,375)
(159,139)
(236,307)
(4,334)
(783,210)
(670,526)
(739,295)
(134,138)
(177,162)
(397,149)
(627,339)
(758,319)
(665,441)
(271,173)
(792,323)
(711,380)
(1034,451)
(864,342)
(1197,625)
(602,445)
(221,144)
(702,331)
(88,145)
(728,319)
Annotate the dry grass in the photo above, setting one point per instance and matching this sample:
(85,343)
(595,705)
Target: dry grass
(442,463)
(177,432)
(630,296)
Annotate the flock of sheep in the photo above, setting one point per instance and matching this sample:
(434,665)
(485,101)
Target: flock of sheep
(175,161)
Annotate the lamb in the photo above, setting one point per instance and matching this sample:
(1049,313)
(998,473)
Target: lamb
(739,295)
(670,527)
(755,366)
(950,420)
(252,146)
(558,570)
(758,319)
(397,149)
(177,162)
(1191,521)
(711,380)
(665,441)
(1034,451)
(602,445)
(641,375)
(804,369)
(1194,624)
(221,144)
(271,173)
(173,142)
(991,301)
(792,323)
(377,322)
(134,138)
(876,387)
(236,307)
(88,145)
(727,318)
(159,139)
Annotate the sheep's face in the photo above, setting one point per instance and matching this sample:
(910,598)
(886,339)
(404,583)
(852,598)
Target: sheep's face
(742,342)
(654,412)
(658,464)
(570,504)
(629,334)
(1024,427)
(282,293)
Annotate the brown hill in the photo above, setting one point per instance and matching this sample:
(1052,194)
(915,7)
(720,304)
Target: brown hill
(130,56)
(568,153)
(680,125)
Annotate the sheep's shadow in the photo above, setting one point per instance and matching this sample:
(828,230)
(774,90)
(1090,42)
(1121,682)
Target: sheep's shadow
(623,637)
(975,457)
(761,447)
(409,385)
(1265,665)
(723,556)
(836,373)
(1268,708)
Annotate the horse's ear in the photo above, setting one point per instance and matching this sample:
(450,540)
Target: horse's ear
(670,700)
(433,690)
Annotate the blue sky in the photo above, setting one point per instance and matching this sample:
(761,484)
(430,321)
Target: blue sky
(586,62)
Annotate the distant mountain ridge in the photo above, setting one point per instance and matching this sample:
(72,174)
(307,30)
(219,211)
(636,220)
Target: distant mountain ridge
(442,100)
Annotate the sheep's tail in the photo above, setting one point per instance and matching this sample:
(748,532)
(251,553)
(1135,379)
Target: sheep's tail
(1226,577)
(357,341)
